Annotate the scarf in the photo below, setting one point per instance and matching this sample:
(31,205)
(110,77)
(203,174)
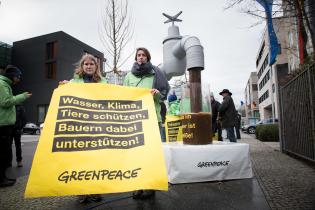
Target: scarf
(88,78)
(159,82)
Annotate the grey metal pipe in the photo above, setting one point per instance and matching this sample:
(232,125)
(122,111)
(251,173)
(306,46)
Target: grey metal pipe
(192,48)
(181,53)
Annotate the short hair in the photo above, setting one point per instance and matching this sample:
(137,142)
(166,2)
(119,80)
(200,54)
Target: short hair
(146,52)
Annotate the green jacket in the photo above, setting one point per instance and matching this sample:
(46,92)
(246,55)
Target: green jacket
(8,102)
(173,108)
(145,82)
(77,79)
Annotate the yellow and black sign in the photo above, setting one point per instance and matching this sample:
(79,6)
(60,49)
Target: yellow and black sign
(173,128)
(98,138)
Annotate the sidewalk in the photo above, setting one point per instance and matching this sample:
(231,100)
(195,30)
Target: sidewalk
(280,182)
(287,183)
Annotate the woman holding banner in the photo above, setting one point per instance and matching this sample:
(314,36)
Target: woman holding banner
(88,71)
(143,74)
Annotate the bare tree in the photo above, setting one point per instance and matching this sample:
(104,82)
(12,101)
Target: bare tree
(116,31)
(302,10)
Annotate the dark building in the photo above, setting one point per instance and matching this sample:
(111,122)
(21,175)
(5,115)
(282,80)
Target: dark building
(5,55)
(46,60)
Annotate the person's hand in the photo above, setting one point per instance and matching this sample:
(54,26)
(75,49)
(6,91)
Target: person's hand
(28,94)
(63,82)
(154,91)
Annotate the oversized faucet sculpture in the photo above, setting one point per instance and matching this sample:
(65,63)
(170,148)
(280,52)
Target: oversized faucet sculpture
(181,53)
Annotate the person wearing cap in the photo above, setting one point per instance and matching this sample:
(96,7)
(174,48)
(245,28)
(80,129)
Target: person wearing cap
(11,76)
(173,105)
(227,114)
(215,105)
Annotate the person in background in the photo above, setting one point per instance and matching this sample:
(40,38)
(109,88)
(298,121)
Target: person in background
(88,71)
(173,105)
(145,75)
(238,125)
(216,126)
(12,75)
(17,133)
(227,114)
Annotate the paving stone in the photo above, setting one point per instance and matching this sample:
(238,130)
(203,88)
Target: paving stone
(287,182)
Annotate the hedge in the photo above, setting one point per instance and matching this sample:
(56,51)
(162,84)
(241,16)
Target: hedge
(267,132)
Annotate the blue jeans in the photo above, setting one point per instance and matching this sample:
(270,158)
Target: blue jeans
(230,134)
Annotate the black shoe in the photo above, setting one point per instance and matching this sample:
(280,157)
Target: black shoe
(83,198)
(147,194)
(6,183)
(220,139)
(143,194)
(96,197)
(137,194)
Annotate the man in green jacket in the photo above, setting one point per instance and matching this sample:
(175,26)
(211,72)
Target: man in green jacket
(10,77)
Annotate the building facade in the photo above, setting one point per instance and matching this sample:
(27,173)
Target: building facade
(251,100)
(298,46)
(266,74)
(45,60)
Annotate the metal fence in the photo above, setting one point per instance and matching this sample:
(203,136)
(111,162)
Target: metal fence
(297,111)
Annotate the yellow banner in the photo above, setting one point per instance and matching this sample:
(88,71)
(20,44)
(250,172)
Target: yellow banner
(173,128)
(98,138)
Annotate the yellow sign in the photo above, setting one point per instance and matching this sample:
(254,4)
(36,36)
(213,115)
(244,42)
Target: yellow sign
(98,138)
(173,128)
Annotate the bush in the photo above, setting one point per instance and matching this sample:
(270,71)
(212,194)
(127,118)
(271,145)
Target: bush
(267,132)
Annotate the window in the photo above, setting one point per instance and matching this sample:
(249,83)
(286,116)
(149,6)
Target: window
(254,87)
(264,96)
(51,63)
(51,50)
(264,80)
(51,70)
(290,39)
(41,112)
(273,88)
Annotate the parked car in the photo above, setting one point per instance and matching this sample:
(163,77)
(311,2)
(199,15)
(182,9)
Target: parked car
(31,128)
(251,128)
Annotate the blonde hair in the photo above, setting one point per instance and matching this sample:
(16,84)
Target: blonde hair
(97,76)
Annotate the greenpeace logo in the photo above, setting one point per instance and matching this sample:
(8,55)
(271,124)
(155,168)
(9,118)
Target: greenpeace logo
(213,164)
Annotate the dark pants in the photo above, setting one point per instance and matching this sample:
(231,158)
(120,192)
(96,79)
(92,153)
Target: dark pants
(230,134)
(237,131)
(162,132)
(216,126)
(5,145)
(16,136)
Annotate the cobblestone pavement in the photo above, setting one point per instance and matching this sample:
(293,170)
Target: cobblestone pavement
(287,182)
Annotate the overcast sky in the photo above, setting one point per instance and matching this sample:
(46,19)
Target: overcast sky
(230,45)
